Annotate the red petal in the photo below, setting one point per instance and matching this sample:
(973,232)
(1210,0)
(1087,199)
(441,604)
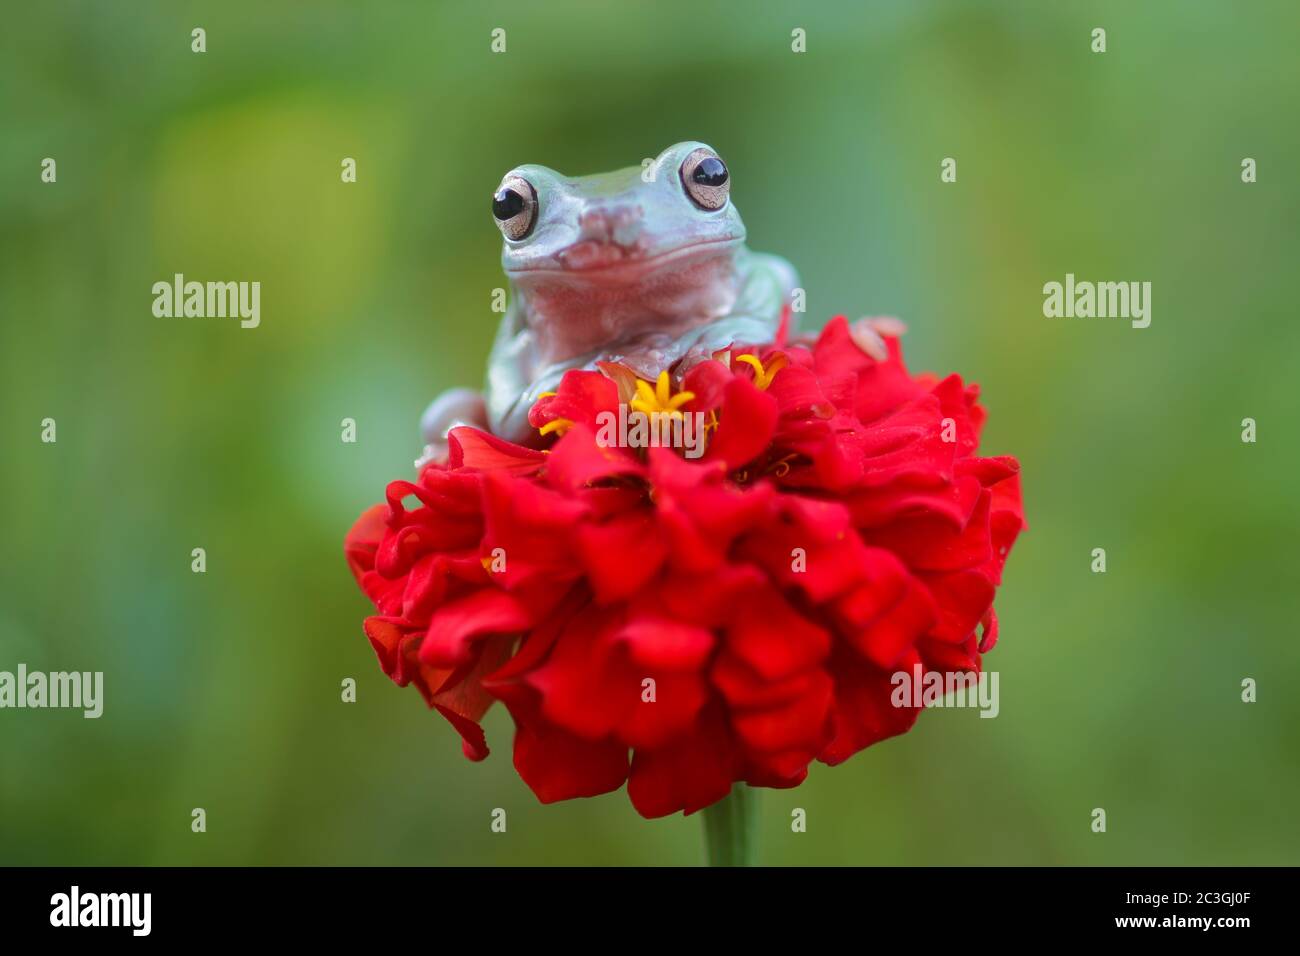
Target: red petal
(746,424)
(531,525)
(470,448)
(362,541)
(708,382)
(864,713)
(928,542)
(577,460)
(580,397)
(657,641)
(775,639)
(455,625)
(953,502)
(962,598)
(556,765)
(696,770)
(621,555)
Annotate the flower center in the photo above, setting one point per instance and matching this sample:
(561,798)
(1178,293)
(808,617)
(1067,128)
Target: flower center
(660,399)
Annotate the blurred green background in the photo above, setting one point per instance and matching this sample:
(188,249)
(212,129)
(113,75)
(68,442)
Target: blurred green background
(1118,690)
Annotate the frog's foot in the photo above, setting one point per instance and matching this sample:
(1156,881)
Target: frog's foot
(646,356)
(457,406)
(701,353)
(868,334)
(704,343)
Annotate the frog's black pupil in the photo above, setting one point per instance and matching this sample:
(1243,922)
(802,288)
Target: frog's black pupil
(710,172)
(507,204)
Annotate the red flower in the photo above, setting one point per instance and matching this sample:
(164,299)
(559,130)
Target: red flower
(682,624)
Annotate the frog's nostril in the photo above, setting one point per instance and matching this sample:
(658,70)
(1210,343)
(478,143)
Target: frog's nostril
(619,225)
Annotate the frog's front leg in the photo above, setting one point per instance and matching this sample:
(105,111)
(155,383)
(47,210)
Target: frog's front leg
(764,294)
(509,374)
(515,381)
(454,407)
(768,287)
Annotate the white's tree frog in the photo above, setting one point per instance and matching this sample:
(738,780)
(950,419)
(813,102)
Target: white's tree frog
(644,266)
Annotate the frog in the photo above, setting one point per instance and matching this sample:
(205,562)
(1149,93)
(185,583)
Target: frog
(646,266)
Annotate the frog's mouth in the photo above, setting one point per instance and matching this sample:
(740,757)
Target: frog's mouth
(611,260)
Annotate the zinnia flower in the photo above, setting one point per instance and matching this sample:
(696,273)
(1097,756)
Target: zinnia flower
(683,624)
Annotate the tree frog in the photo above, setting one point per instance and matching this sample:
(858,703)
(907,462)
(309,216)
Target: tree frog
(646,266)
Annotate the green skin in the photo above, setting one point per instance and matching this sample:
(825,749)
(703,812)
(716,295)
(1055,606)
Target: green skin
(619,267)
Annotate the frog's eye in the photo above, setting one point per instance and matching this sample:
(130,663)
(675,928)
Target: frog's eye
(705,179)
(514,206)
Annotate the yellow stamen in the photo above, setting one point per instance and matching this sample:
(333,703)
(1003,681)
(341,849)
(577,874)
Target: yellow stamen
(781,468)
(763,376)
(559,425)
(659,399)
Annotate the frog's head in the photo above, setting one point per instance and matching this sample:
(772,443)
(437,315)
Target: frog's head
(616,229)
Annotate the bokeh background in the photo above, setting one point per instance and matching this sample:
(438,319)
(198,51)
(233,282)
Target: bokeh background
(1118,690)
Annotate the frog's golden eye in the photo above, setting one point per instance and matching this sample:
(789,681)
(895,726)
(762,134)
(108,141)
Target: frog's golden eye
(705,178)
(514,206)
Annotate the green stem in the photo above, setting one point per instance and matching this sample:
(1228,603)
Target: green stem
(731,828)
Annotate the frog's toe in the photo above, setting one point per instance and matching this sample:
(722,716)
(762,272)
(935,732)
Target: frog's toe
(869,334)
(435,452)
(888,325)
